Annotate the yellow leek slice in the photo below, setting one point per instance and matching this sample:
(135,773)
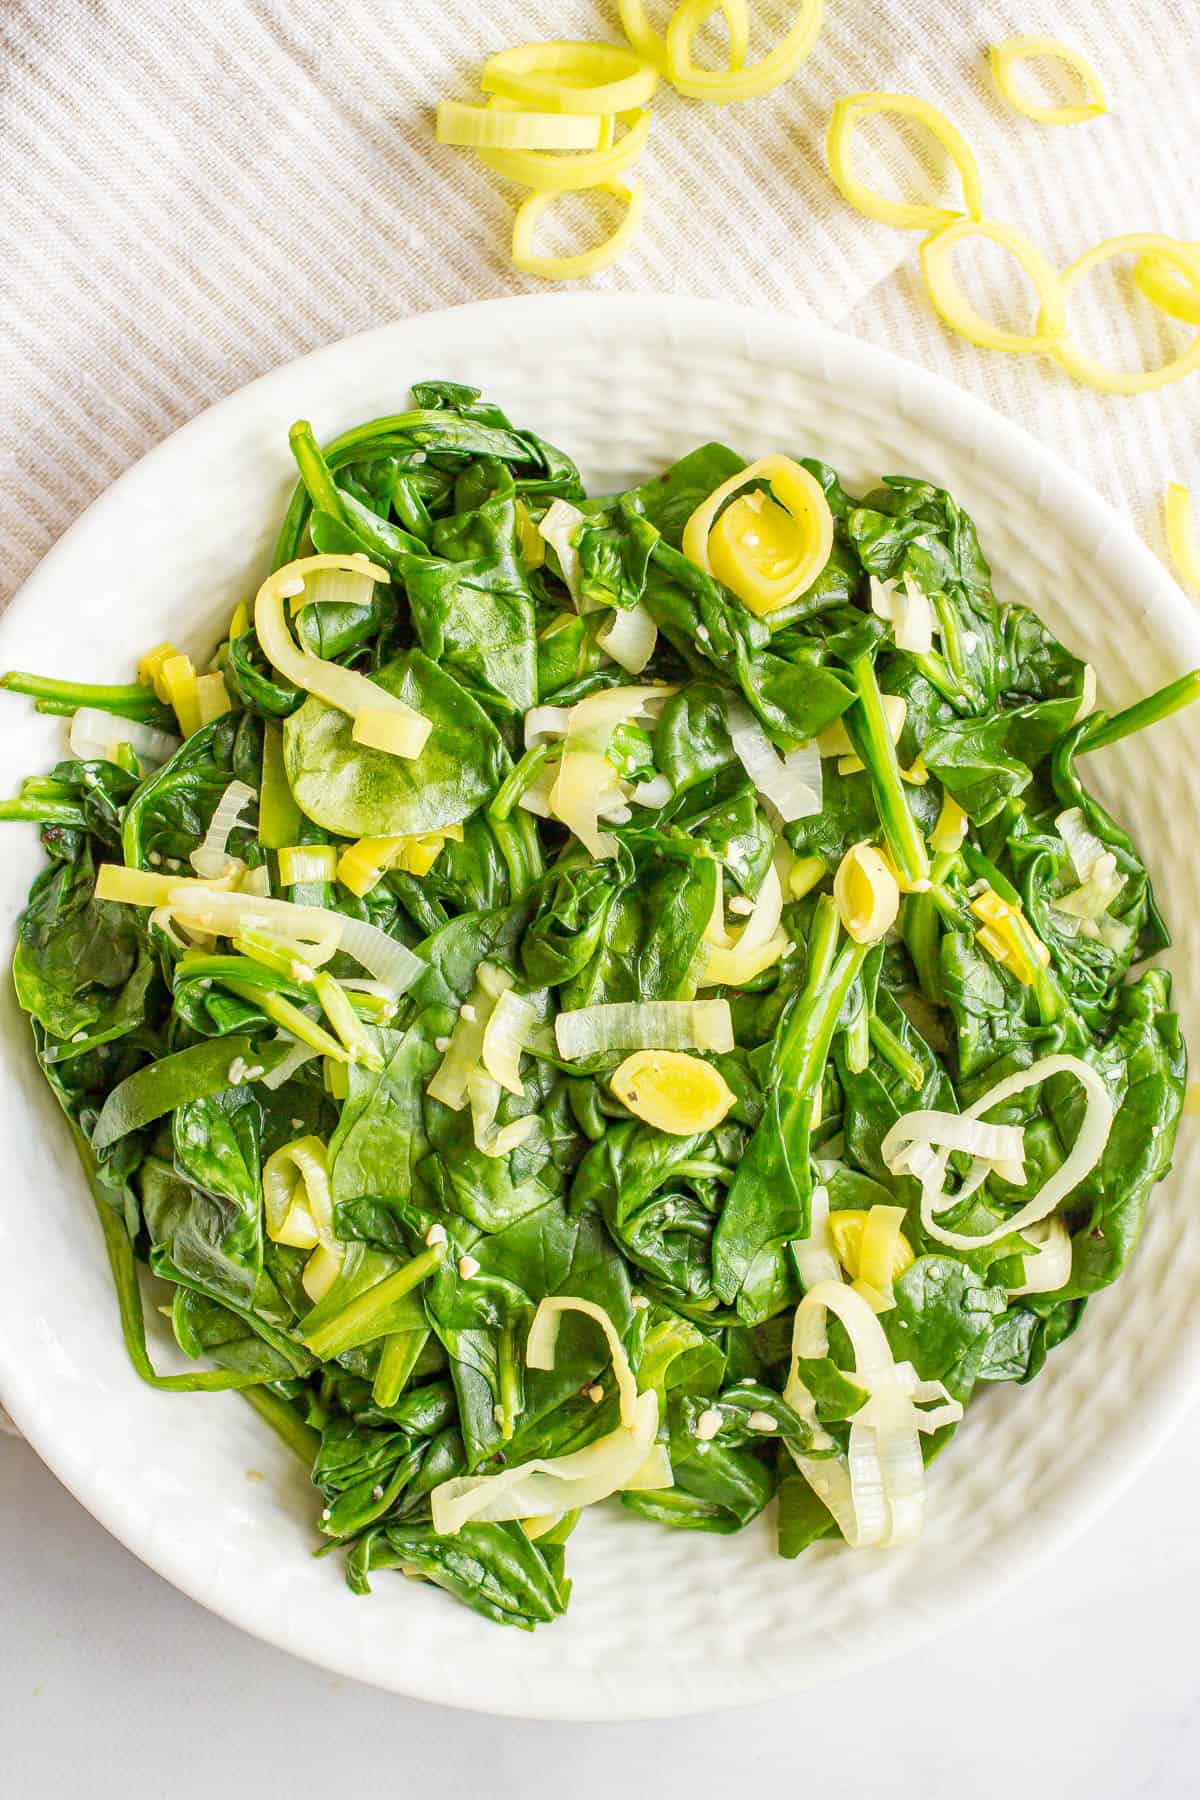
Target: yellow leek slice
(548,173)
(835,739)
(735,967)
(1183,258)
(150,668)
(584,262)
(1003,58)
(866,894)
(956,310)
(297,1205)
(804,875)
(212,697)
(863,1259)
(178,676)
(133,887)
(529,539)
(1181,536)
(766,549)
(951,827)
(488,128)
(672,1091)
(307,862)
(849,113)
(542,1344)
(239,625)
(653,49)
(736,83)
(1008,937)
(1171,293)
(380,719)
(571,77)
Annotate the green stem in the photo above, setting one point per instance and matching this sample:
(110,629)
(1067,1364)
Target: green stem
(858,1041)
(43,812)
(397,1360)
(286,1422)
(314,470)
(984,870)
(289,1018)
(893,1051)
(351,1325)
(522,852)
(128,700)
(1160,705)
(519,779)
(510,1383)
(919,926)
(872,740)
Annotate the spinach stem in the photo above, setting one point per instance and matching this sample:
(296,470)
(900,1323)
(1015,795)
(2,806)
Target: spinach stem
(871,736)
(1160,705)
(352,1324)
(130,700)
(285,1421)
(397,1360)
(510,1383)
(43,812)
(893,1051)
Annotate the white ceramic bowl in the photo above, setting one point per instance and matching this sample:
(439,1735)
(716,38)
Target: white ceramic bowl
(660,1622)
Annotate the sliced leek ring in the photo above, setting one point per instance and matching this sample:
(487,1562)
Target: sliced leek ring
(734,83)
(1181,536)
(549,173)
(955,309)
(485,128)
(653,49)
(585,262)
(571,77)
(1004,57)
(673,1091)
(1185,259)
(849,113)
(746,547)
(380,719)
(866,894)
(1168,291)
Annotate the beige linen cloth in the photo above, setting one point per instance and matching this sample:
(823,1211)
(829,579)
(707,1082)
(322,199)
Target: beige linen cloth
(195,191)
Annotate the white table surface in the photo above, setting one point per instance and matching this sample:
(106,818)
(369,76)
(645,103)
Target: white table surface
(1081,1686)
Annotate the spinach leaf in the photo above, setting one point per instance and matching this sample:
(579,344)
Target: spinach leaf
(361,792)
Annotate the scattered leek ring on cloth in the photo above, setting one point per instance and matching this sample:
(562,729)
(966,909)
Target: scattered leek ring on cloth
(747,546)
(1181,536)
(672,1091)
(380,719)
(737,83)
(907,1149)
(584,262)
(849,113)
(488,128)
(1184,258)
(955,309)
(1004,58)
(548,172)
(571,77)
(653,49)
(1180,297)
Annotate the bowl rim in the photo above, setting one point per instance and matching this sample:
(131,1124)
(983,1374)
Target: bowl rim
(1142,1430)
